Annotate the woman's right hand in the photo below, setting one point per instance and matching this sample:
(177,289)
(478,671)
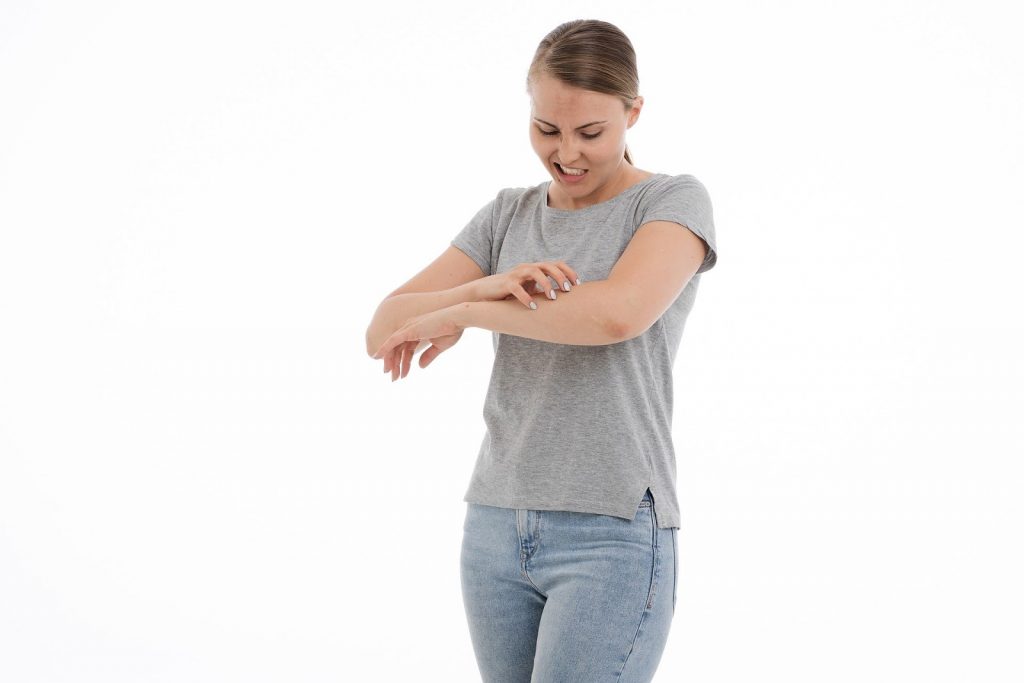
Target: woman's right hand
(524,280)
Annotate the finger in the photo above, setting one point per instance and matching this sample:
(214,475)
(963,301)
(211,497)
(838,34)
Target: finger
(556,272)
(541,278)
(523,296)
(574,277)
(428,356)
(392,358)
(527,275)
(407,351)
(400,352)
(397,337)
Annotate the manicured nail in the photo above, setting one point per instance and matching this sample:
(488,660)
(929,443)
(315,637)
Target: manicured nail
(565,285)
(533,305)
(552,294)
(577,280)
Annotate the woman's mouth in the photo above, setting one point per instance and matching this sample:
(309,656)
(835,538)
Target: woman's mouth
(576,176)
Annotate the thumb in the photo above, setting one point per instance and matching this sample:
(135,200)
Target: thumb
(428,356)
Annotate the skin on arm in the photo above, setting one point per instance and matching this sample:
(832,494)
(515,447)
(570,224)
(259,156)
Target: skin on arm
(580,318)
(444,282)
(650,274)
(576,317)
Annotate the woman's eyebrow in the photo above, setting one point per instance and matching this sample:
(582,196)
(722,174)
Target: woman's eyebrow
(577,127)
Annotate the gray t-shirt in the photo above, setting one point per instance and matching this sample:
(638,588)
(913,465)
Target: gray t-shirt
(576,427)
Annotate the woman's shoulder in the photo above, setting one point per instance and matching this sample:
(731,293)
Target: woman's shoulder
(674,179)
(672,184)
(512,197)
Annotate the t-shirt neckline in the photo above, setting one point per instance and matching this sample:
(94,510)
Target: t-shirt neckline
(555,210)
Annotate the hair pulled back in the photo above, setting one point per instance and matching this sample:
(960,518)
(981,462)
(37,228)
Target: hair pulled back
(590,54)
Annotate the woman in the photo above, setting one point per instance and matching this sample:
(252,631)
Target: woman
(569,554)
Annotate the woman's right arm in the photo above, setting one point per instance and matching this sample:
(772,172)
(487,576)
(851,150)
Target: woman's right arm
(447,281)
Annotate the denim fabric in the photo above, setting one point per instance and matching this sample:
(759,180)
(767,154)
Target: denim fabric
(564,597)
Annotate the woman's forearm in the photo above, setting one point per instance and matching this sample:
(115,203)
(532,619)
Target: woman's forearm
(582,316)
(395,310)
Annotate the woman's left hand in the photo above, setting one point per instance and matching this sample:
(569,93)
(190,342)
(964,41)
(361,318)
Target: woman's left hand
(438,327)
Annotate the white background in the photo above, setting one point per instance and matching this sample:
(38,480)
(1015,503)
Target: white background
(203,477)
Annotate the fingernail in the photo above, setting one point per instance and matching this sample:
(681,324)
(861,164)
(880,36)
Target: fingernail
(539,288)
(577,280)
(533,305)
(565,285)
(552,294)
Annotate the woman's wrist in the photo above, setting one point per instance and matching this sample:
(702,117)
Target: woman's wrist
(465,292)
(462,314)
(395,310)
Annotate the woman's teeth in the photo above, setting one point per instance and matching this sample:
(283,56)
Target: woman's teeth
(571,171)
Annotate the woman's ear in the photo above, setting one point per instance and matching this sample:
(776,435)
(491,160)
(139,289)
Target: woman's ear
(634,114)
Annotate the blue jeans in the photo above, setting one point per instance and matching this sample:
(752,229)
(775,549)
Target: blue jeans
(560,597)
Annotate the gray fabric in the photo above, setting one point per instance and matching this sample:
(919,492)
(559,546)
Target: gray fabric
(574,427)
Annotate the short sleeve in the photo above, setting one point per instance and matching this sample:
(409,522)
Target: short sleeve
(477,237)
(683,199)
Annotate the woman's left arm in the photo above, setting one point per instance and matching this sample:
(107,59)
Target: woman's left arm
(579,316)
(648,276)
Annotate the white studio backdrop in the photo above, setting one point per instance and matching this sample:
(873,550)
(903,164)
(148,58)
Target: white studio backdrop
(203,476)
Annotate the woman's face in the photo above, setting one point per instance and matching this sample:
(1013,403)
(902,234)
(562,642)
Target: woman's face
(583,130)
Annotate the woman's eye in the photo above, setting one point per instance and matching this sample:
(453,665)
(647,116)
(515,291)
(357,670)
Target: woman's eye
(555,132)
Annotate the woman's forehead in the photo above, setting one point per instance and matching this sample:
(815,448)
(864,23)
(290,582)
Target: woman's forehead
(577,109)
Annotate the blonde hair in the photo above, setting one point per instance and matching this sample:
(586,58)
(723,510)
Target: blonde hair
(590,54)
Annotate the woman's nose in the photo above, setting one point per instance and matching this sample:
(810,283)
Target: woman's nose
(566,152)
